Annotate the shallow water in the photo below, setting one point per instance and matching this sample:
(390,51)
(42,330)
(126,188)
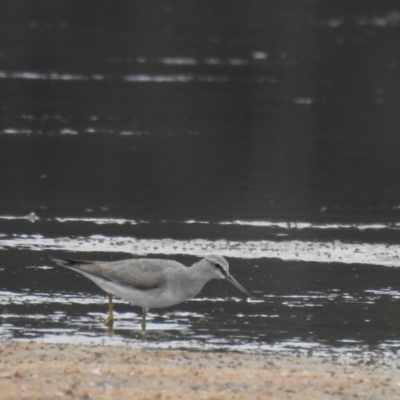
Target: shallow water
(267,135)
(300,304)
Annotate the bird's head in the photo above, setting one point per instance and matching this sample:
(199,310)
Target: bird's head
(218,268)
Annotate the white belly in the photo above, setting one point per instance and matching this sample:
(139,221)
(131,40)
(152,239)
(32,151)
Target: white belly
(153,298)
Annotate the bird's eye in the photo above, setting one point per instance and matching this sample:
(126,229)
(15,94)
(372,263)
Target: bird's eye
(219,266)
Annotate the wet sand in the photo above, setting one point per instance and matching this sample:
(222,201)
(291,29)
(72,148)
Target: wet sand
(52,371)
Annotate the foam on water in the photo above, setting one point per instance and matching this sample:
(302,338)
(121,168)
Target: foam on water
(283,225)
(293,250)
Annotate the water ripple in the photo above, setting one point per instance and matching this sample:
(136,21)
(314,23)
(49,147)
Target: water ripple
(291,250)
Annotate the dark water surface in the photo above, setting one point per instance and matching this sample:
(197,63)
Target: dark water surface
(264,132)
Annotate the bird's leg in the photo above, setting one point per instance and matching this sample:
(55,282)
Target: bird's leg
(144,318)
(110,319)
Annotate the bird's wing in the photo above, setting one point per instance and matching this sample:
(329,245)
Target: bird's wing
(141,274)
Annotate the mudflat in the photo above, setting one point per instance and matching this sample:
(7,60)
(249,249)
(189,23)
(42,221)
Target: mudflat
(53,371)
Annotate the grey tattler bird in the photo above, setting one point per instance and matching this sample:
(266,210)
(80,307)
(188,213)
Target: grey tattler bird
(152,283)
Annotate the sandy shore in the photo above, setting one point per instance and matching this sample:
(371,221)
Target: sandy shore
(52,371)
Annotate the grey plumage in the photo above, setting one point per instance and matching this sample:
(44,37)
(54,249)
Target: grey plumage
(152,283)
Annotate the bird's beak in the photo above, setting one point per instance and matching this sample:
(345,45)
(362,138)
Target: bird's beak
(234,282)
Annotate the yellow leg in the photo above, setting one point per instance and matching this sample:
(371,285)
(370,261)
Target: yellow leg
(110,319)
(144,319)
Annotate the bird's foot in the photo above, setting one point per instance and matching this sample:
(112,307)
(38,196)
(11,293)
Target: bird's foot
(109,321)
(144,319)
